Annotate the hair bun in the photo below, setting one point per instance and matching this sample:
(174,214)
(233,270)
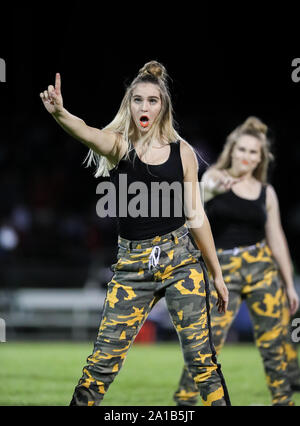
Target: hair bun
(254,124)
(154,69)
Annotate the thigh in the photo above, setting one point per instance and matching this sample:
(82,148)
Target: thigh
(130,295)
(231,266)
(285,316)
(187,304)
(264,300)
(124,312)
(220,323)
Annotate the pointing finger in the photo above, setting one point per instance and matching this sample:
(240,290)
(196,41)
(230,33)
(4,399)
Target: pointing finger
(57,83)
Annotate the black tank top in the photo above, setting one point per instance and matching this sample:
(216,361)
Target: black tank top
(236,221)
(146,210)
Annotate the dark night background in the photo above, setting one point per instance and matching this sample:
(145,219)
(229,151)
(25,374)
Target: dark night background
(220,75)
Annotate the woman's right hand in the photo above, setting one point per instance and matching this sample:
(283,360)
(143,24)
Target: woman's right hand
(52,98)
(219,181)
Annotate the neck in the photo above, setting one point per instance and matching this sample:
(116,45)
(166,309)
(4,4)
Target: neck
(152,143)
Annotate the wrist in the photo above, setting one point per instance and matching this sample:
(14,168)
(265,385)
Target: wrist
(217,275)
(289,286)
(59,113)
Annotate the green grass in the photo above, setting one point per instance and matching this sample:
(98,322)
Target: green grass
(46,374)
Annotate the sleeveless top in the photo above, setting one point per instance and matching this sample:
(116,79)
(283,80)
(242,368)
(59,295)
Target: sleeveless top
(236,221)
(149,198)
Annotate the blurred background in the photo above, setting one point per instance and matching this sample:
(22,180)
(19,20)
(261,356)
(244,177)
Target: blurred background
(55,253)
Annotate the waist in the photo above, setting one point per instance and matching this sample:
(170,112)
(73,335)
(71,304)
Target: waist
(238,250)
(147,228)
(236,236)
(157,240)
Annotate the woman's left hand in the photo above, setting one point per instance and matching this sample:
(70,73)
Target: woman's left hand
(293,300)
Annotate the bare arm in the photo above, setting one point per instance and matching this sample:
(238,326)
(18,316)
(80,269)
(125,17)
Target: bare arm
(278,244)
(100,141)
(199,224)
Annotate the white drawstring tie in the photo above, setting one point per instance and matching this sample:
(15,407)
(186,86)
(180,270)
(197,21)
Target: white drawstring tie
(154,257)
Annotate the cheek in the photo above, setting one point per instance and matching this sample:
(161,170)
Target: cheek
(156,110)
(235,154)
(133,111)
(257,159)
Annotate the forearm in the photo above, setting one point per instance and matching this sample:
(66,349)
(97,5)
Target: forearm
(75,127)
(284,269)
(281,254)
(205,242)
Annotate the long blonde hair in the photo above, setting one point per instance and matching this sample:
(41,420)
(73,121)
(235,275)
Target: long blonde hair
(123,125)
(255,127)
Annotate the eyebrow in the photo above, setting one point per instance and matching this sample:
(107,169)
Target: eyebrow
(140,96)
(250,149)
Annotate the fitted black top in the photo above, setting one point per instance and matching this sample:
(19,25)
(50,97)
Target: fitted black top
(237,221)
(149,197)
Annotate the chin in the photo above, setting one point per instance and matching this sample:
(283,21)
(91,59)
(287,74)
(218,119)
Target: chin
(144,129)
(244,168)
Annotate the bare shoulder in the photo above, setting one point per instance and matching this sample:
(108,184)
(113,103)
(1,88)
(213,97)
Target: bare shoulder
(271,196)
(188,157)
(270,191)
(119,146)
(186,149)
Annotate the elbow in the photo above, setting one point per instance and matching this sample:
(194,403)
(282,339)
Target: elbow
(196,221)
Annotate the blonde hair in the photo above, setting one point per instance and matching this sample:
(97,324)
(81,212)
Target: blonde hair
(123,125)
(252,126)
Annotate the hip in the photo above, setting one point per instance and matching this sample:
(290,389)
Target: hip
(162,252)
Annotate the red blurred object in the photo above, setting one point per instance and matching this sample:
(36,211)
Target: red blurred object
(147,333)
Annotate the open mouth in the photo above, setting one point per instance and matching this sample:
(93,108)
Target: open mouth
(144,121)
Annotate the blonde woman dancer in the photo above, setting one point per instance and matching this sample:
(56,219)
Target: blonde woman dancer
(252,249)
(140,149)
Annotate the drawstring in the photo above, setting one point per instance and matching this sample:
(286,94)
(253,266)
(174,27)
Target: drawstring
(154,258)
(155,252)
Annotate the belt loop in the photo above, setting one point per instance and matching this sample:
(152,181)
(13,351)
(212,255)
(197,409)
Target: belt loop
(175,238)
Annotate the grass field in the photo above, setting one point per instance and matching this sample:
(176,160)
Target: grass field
(46,374)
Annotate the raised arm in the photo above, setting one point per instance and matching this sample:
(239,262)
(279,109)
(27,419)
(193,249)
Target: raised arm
(277,242)
(199,224)
(101,141)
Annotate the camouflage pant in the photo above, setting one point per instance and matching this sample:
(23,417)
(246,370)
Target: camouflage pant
(147,270)
(293,369)
(252,275)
